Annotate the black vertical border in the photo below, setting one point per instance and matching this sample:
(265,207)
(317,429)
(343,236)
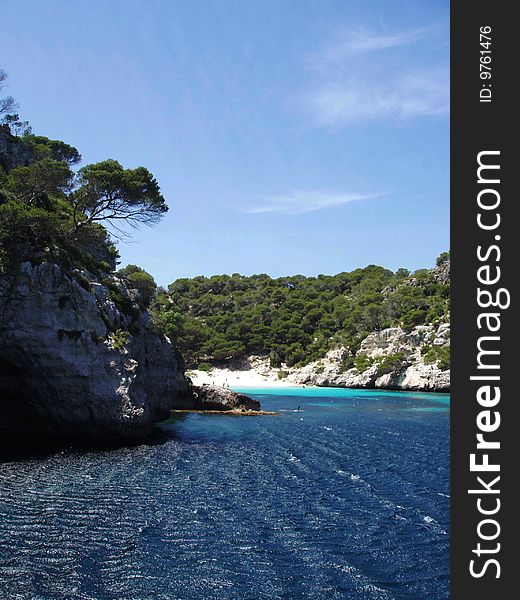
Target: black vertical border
(475,127)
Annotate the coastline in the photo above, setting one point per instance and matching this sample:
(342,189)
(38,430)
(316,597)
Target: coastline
(239,378)
(253,378)
(390,359)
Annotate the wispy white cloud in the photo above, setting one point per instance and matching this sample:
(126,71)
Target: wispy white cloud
(411,95)
(358,41)
(356,78)
(299,202)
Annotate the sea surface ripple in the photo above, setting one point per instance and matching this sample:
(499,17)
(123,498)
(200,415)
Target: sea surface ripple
(346,498)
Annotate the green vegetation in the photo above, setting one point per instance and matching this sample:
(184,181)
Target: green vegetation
(295,319)
(138,279)
(442,258)
(437,354)
(119,339)
(51,212)
(384,364)
(204,367)
(362,362)
(390,363)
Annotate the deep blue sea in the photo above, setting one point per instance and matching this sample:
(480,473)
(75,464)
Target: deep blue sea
(346,498)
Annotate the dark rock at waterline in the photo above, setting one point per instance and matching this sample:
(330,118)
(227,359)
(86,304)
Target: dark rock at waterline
(74,364)
(212,397)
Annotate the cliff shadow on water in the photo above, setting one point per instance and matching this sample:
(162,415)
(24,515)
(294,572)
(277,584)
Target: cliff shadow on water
(20,447)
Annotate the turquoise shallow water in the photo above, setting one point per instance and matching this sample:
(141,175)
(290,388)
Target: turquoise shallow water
(331,395)
(346,498)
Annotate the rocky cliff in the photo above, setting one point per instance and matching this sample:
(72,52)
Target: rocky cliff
(79,357)
(387,359)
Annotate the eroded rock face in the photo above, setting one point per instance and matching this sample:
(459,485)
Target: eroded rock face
(418,377)
(69,365)
(212,397)
(410,372)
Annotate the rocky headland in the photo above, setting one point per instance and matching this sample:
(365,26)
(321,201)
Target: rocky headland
(80,358)
(80,354)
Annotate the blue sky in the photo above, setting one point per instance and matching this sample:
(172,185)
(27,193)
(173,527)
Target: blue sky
(288,136)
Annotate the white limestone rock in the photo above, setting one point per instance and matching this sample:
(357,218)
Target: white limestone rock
(411,373)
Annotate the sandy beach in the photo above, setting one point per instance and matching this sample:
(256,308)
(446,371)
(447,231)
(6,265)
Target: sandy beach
(239,378)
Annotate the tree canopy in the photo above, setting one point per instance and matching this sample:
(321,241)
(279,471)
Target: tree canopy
(42,147)
(50,211)
(141,281)
(105,191)
(295,319)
